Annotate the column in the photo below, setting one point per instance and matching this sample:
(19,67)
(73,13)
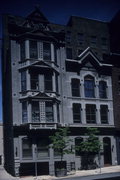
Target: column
(52,52)
(54,82)
(28,80)
(55,113)
(29,112)
(83,114)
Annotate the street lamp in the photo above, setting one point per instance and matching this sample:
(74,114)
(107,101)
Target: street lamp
(36,163)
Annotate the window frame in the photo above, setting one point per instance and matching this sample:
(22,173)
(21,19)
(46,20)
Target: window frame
(89,86)
(75,90)
(91,112)
(29,149)
(104,114)
(76,112)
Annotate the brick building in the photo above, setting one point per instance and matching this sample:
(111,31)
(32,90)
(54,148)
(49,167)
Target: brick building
(55,76)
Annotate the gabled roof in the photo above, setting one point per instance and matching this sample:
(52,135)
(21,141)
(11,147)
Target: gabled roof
(37,16)
(89,56)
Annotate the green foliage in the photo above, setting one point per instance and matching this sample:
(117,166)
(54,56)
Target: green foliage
(60,142)
(91,144)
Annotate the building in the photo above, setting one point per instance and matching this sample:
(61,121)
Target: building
(1,145)
(55,76)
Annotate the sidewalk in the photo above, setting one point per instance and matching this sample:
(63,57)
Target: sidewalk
(83,173)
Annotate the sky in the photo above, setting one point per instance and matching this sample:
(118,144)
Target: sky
(59,12)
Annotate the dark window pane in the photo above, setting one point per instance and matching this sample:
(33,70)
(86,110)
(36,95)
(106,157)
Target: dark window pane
(89,86)
(48,82)
(102,89)
(68,37)
(104,114)
(34,81)
(69,53)
(23,81)
(76,87)
(42,148)
(26,148)
(76,113)
(24,112)
(90,113)
(46,51)
(49,112)
(33,49)
(22,50)
(35,111)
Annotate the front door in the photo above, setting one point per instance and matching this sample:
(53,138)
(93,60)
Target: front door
(107,151)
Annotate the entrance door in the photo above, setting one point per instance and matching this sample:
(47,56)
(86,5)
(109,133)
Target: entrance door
(107,151)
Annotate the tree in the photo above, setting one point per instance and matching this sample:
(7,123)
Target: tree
(61,142)
(89,148)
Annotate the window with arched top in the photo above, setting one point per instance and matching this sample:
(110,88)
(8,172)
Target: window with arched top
(102,89)
(75,87)
(89,86)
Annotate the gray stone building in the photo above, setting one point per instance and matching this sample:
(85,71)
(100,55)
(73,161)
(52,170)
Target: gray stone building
(55,76)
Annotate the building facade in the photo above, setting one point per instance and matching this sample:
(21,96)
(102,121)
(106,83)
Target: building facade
(55,76)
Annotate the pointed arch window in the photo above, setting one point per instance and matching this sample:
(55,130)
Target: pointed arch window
(75,86)
(102,89)
(89,86)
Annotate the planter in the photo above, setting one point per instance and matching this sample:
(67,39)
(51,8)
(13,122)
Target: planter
(61,172)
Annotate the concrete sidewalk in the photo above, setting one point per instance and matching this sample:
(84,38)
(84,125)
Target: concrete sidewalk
(81,173)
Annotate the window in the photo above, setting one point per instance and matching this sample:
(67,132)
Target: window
(33,49)
(104,114)
(58,114)
(23,81)
(89,86)
(55,54)
(26,148)
(46,51)
(48,82)
(68,37)
(42,148)
(102,89)
(93,40)
(75,87)
(80,37)
(35,111)
(56,79)
(90,113)
(24,112)
(77,145)
(69,53)
(34,81)
(22,50)
(49,112)
(104,43)
(76,113)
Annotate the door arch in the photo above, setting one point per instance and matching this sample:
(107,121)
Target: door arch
(107,151)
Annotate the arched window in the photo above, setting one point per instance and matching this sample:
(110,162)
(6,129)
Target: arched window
(78,141)
(89,86)
(102,89)
(75,86)
(107,151)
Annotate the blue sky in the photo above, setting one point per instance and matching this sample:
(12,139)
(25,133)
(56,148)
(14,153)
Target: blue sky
(59,11)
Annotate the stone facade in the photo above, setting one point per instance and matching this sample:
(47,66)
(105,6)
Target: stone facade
(55,76)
